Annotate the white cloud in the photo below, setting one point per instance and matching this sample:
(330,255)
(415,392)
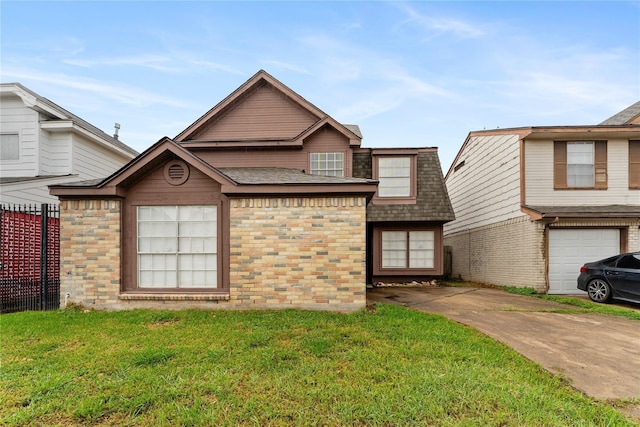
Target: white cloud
(125,95)
(433,26)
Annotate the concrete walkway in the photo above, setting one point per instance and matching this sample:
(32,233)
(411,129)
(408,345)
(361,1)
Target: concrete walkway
(600,355)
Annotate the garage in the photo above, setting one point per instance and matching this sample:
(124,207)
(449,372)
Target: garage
(569,249)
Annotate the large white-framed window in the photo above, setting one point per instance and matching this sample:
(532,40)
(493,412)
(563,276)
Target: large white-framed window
(394,176)
(329,164)
(177,246)
(580,164)
(9,147)
(408,249)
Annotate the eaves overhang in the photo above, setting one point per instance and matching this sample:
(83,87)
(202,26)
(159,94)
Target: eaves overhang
(556,213)
(584,132)
(302,190)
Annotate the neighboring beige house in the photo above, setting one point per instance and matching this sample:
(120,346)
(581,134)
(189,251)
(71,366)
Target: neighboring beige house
(43,144)
(263,202)
(533,204)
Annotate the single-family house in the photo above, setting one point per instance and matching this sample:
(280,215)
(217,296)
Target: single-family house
(43,144)
(264,201)
(533,204)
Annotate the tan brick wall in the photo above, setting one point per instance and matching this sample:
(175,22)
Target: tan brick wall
(284,253)
(508,253)
(513,252)
(298,252)
(90,252)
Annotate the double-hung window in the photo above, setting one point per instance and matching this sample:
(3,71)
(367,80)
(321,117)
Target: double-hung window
(580,164)
(408,249)
(394,176)
(177,247)
(329,164)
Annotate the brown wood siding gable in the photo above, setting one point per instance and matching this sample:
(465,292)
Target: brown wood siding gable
(560,165)
(264,113)
(634,165)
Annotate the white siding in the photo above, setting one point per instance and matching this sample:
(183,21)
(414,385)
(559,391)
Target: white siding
(55,154)
(486,189)
(539,178)
(92,161)
(16,118)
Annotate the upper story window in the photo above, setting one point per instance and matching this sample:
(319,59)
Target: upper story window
(329,164)
(580,165)
(394,175)
(9,146)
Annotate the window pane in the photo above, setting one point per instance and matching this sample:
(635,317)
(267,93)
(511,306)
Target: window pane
(580,164)
(421,249)
(9,146)
(394,249)
(329,164)
(394,174)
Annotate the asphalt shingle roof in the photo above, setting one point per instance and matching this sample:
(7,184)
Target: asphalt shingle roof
(624,116)
(432,201)
(284,176)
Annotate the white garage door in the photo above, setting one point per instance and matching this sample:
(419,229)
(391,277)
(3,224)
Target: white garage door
(570,249)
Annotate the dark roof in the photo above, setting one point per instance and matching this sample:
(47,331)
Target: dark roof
(625,116)
(284,176)
(77,120)
(607,211)
(432,201)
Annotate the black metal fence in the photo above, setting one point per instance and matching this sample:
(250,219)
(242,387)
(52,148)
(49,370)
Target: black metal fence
(29,257)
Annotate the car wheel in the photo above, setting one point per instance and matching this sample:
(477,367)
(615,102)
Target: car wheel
(599,290)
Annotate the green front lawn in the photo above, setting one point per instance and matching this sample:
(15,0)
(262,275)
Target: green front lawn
(387,366)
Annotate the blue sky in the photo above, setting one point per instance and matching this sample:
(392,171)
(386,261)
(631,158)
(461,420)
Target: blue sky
(410,74)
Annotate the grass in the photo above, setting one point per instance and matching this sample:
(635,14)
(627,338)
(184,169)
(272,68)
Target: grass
(578,305)
(379,367)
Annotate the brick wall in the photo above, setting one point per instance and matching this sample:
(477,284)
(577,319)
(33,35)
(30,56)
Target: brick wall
(512,252)
(508,253)
(284,253)
(298,252)
(90,251)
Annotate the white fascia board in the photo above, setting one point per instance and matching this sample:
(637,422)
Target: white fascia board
(32,102)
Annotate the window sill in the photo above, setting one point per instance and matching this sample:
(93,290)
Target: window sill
(173,297)
(377,200)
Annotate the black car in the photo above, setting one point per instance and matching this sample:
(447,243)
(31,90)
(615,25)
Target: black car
(617,277)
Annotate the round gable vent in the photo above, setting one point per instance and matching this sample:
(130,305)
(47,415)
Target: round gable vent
(176,172)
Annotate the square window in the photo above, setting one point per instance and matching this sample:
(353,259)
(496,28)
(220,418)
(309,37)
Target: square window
(177,247)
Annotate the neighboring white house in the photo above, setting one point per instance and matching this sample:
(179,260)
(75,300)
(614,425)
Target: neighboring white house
(43,144)
(533,204)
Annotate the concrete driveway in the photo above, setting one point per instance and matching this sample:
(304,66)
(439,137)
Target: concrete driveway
(600,355)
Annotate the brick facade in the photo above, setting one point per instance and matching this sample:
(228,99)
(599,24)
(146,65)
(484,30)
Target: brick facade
(90,252)
(284,253)
(508,253)
(298,252)
(513,252)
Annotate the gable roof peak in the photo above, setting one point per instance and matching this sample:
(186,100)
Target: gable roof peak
(628,116)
